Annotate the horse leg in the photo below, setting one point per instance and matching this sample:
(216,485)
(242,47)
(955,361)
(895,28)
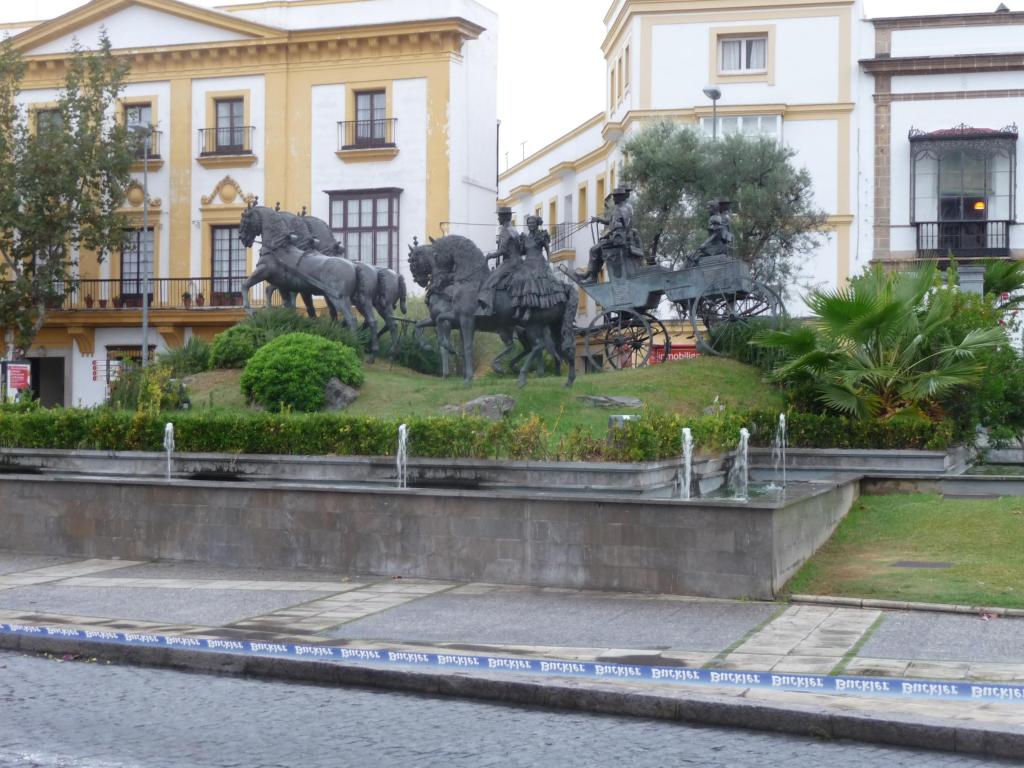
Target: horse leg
(558,358)
(307,299)
(257,277)
(566,353)
(444,335)
(417,332)
(535,349)
(467,326)
(509,340)
(365,305)
(342,303)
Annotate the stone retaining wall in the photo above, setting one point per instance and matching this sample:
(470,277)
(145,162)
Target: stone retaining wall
(706,548)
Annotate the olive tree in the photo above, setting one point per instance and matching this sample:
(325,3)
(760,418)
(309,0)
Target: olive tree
(676,171)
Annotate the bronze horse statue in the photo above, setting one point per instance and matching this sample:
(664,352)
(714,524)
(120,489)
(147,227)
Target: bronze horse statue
(455,270)
(439,303)
(292,270)
(388,286)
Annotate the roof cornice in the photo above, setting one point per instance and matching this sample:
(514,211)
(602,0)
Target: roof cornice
(97,10)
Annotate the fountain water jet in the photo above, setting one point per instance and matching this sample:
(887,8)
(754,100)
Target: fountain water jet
(402,457)
(779,451)
(739,475)
(169,445)
(687,441)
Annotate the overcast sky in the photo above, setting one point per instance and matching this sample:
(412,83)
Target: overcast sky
(550,66)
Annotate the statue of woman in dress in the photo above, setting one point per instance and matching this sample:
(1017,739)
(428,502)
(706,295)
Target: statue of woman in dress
(533,284)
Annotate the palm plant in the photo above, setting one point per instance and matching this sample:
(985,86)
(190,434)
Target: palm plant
(1005,279)
(878,347)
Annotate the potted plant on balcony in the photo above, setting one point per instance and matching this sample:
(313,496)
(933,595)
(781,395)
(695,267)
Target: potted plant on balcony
(103,303)
(89,301)
(117,302)
(186,299)
(200,299)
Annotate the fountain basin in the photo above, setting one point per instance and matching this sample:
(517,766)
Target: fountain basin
(594,540)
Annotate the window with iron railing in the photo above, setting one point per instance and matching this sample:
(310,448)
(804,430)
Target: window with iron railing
(962,190)
(372,127)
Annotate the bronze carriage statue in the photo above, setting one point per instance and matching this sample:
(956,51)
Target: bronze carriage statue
(713,290)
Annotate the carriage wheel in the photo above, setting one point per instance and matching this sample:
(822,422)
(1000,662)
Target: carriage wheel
(725,313)
(660,340)
(624,337)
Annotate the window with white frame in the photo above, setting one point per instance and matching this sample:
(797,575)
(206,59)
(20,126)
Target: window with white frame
(229,266)
(748,125)
(136,262)
(743,54)
(366,222)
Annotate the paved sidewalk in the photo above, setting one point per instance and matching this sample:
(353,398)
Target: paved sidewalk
(215,602)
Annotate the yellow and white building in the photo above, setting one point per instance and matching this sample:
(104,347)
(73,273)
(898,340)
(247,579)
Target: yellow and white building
(378,116)
(786,68)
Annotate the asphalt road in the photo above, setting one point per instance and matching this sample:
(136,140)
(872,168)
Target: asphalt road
(83,715)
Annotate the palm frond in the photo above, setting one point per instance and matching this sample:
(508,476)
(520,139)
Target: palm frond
(847,401)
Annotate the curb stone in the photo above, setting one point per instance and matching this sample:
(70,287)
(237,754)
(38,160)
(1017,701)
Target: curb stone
(897,605)
(611,699)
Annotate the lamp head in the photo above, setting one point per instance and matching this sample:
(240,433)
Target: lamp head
(713,93)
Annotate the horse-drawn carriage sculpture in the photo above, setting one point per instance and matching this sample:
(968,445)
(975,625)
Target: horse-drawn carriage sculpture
(714,291)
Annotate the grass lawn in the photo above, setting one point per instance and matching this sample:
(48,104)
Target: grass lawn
(983,540)
(686,387)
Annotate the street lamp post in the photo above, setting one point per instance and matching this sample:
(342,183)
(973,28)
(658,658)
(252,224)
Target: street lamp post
(714,94)
(145,131)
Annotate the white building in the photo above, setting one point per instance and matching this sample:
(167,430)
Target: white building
(785,69)
(843,92)
(938,136)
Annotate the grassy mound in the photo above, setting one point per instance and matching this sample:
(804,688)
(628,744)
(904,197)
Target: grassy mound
(685,387)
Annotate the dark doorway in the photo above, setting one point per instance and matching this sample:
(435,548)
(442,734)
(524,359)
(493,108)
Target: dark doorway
(48,380)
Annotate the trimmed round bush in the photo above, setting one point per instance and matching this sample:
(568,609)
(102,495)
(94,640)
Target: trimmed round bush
(234,347)
(293,370)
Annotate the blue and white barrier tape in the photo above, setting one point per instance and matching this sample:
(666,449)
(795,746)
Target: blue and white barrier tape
(842,684)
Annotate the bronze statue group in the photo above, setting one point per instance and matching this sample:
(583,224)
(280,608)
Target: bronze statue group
(522,298)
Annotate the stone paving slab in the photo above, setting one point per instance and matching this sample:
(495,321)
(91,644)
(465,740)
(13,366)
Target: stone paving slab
(212,607)
(219,584)
(172,569)
(12,562)
(943,637)
(355,603)
(566,619)
(60,572)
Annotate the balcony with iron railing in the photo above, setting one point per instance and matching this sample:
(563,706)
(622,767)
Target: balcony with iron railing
(169,293)
(362,140)
(150,152)
(964,239)
(221,142)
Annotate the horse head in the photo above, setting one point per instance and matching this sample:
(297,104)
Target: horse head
(421,263)
(251,226)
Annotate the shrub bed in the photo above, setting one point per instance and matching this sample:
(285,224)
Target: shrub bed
(293,370)
(319,434)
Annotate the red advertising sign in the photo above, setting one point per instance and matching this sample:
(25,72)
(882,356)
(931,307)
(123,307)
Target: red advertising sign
(676,352)
(19,376)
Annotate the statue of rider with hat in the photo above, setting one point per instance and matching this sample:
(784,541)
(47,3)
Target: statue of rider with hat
(619,233)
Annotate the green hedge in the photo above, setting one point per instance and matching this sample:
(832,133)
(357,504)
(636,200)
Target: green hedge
(650,438)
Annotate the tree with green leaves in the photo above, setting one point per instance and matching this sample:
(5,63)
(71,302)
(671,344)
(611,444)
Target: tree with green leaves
(676,171)
(63,178)
(881,346)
